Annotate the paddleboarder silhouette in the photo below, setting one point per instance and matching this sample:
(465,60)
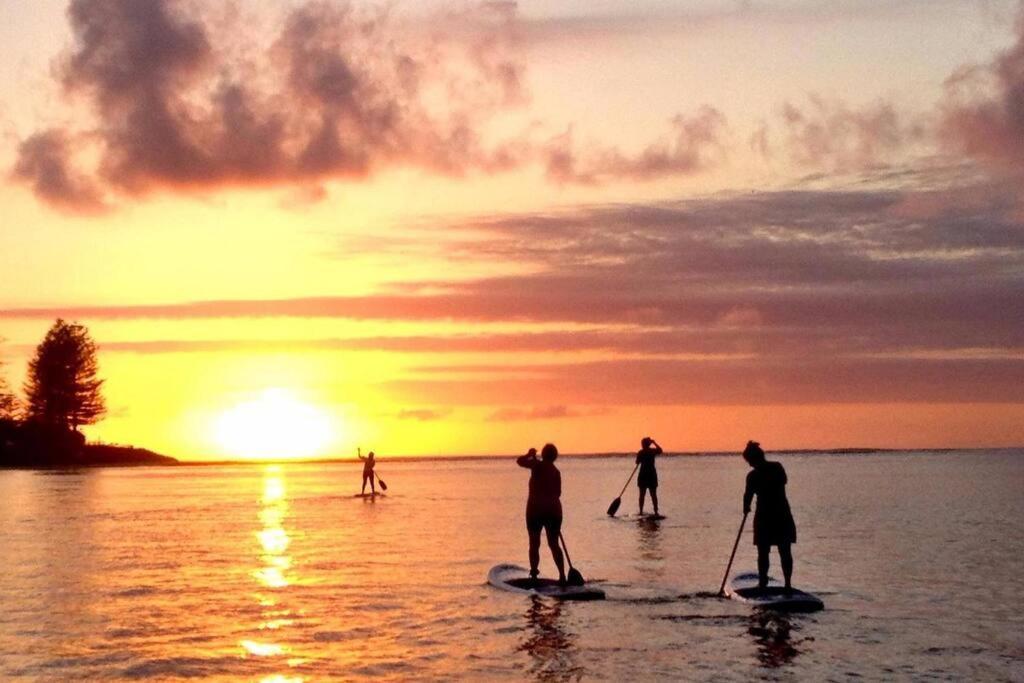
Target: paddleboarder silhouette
(773,520)
(647,479)
(544,506)
(369,462)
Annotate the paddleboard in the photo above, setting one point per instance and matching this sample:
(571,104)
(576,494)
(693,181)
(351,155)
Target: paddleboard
(368,495)
(516,579)
(645,517)
(743,587)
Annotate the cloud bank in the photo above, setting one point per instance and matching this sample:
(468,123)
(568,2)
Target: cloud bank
(341,93)
(775,296)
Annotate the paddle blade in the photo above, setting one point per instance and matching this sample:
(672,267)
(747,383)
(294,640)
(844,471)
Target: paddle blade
(574,578)
(383,486)
(614,507)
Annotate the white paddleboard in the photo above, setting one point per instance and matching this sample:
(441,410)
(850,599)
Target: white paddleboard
(743,587)
(516,579)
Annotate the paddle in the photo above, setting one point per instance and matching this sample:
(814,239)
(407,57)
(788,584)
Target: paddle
(721,591)
(383,486)
(574,578)
(614,507)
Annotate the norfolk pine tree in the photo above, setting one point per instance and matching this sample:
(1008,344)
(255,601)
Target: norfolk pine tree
(62,389)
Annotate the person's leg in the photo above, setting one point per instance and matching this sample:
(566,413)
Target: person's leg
(654,498)
(363,490)
(763,564)
(553,529)
(373,485)
(786,558)
(643,493)
(534,531)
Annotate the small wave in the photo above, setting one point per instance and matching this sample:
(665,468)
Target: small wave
(338,636)
(712,619)
(179,666)
(135,591)
(649,600)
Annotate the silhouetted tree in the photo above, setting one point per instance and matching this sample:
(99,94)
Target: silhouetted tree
(9,404)
(62,389)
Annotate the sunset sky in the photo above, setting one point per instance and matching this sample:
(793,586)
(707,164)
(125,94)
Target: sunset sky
(468,228)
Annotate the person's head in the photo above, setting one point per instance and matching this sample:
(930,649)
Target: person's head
(646,442)
(753,454)
(370,456)
(549,452)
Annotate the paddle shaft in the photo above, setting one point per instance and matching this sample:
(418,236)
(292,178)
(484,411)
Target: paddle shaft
(565,548)
(728,568)
(629,480)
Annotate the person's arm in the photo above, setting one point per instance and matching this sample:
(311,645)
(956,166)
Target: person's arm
(529,461)
(748,494)
(655,447)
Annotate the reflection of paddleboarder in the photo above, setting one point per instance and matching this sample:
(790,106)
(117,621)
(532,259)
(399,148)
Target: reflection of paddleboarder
(647,479)
(368,463)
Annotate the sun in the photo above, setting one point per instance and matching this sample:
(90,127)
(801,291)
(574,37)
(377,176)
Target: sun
(275,425)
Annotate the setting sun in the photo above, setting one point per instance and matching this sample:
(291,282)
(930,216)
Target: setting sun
(274,425)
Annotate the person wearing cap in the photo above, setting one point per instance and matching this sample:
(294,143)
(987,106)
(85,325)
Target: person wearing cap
(773,520)
(647,479)
(544,505)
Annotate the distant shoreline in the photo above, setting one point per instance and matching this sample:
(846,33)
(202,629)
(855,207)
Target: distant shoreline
(589,456)
(109,455)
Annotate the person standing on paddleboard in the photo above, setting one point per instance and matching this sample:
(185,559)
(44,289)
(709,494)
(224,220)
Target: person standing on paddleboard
(368,464)
(647,479)
(544,505)
(773,520)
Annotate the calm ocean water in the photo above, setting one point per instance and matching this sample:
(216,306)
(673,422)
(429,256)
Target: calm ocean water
(276,573)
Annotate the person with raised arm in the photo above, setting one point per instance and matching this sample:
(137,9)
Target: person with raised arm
(368,464)
(647,479)
(544,506)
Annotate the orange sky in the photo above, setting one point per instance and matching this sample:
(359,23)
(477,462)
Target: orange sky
(474,228)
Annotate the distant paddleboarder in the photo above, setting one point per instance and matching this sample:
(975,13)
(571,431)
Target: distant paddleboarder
(773,520)
(544,505)
(647,479)
(368,463)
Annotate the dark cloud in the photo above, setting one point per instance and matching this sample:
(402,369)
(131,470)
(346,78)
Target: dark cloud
(754,382)
(984,111)
(339,94)
(696,143)
(831,135)
(44,163)
(533,413)
(422,414)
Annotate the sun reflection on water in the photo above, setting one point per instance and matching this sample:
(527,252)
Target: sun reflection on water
(273,538)
(274,572)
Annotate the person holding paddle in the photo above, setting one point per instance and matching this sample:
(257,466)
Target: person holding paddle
(773,520)
(647,479)
(544,506)
(368,464)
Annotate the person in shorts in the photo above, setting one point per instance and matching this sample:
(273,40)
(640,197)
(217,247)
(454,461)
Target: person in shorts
(544,506)
(647,479)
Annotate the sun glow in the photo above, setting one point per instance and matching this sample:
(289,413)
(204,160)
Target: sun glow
(275,425)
